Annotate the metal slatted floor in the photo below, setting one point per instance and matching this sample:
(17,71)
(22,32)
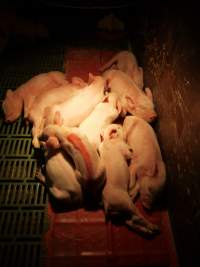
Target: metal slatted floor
(23,200)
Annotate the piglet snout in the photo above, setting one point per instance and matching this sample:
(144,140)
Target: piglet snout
(53,142)
(152,117)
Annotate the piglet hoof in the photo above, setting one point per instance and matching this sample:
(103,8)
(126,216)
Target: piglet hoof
(147,203)
(26,121)
(155,229)
(39,176)
(142,226)
(36,143)
(37,173)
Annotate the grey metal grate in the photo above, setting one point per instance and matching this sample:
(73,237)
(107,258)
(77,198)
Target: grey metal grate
(16,147)
(17,169)
(13,195)
(18,65)
(20,254)
(23,201)
(11,80)
(23,224)
(19,128)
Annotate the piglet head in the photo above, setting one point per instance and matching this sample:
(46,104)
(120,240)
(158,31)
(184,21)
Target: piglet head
(48,137)
(91,78)
(53,142)
(112,131)
(145,110)
(12,106)
(49,142)
(112,99)
(142,106)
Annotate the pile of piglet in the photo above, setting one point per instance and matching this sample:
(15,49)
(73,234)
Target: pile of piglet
(86,150)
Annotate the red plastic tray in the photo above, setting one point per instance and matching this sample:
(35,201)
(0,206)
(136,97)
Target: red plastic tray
(82,238)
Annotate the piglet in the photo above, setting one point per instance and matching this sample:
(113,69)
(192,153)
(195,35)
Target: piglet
(23,97)
(60,176)
(74,110)
(85,157)
(38,111)
(126,62)
(103,114)
(114,153)
(147,168)
(132,98)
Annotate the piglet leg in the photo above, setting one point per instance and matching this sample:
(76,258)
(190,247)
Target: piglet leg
(37,128)
(35,134)
(139,223)
(133,188)
(27,105)
(40,176)
(136,224)
(60,194)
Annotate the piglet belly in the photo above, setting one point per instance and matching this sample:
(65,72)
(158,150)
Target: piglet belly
(77,110)
(61,173)
(117,171)
(92,126)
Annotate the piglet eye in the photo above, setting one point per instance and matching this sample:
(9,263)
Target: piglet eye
(113,131)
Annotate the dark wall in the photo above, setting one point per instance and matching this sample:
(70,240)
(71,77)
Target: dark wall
(170,55)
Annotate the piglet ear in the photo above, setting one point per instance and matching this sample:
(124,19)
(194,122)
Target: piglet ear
(130,102)
(9,93)
(78,81)
(119,107)
(127,125)
(149,93)
(90,78)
